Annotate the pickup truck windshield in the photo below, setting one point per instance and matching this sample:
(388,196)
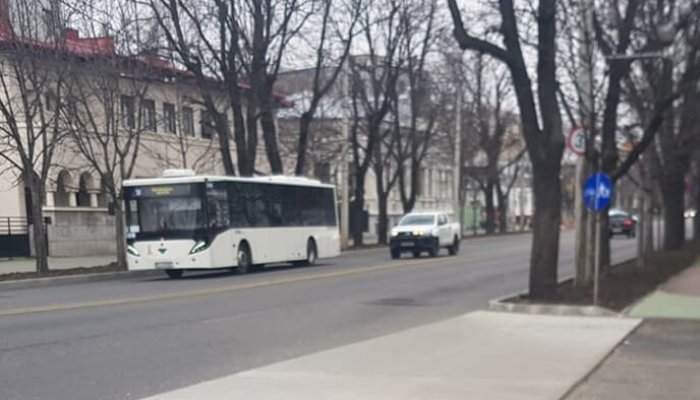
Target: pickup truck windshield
(418,220)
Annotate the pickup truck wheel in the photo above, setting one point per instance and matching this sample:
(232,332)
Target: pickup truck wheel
(454,249)
(433,252)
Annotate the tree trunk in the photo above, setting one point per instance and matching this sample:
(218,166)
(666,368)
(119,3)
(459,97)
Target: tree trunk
(357,209)
(674,223)
(409,193)
(250,151)
(119,231)
(222,130)
(502,215)
(239,136)
(267,122)
(502,208)
(383,223)
(41,245)
(695,188)
(545,238)
(304,127)
(490,208)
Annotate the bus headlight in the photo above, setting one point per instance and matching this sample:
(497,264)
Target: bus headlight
(199,246)
(132,250)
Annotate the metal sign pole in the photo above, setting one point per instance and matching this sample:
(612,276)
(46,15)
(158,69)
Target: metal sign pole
(597,194)
(596,268)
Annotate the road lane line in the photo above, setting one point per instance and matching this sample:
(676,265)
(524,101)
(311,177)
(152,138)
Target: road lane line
(423,263)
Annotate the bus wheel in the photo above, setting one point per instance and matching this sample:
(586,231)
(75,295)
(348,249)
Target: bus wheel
(311,253)
(245,260)
(174,273)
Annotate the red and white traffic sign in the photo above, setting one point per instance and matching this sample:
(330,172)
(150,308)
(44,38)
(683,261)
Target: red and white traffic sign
(576,140)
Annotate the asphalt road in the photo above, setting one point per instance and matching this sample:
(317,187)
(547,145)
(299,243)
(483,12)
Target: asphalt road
(129,339)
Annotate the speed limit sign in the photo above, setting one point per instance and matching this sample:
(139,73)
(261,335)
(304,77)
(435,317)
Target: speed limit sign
(576,140)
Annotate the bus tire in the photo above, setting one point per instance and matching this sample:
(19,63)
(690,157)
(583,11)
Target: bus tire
(244,259)
(311,252)
(174,273)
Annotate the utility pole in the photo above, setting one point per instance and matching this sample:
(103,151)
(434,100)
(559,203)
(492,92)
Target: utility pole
(344,173)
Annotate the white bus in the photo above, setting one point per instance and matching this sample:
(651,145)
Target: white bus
(176,223)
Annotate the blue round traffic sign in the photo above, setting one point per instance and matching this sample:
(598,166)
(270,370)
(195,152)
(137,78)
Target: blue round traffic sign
(597,191)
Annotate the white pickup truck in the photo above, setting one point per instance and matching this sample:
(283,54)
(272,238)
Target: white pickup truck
(424,232)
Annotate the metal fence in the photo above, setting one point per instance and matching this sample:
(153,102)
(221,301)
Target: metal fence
(14,237)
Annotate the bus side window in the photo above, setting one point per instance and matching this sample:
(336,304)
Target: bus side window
(291,206)
(312,206)
(218,207)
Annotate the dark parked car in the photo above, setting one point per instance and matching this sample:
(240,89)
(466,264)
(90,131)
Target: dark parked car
(622,223)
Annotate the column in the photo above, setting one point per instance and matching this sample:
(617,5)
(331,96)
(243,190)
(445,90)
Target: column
(72,199)
(93,199)
(50,199)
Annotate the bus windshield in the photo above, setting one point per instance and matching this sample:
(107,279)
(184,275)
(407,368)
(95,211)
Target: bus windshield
(173,214)
(165,211)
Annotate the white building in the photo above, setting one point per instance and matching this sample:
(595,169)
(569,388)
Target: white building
(325,150)
(149,95)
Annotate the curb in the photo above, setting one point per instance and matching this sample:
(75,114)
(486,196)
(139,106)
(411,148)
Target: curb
(499,304)
(553,309)
(66,280)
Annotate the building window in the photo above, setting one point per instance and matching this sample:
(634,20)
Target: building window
(83,194)
(128,112)
(206,124)
(187,121)
(148,115)
(169,118)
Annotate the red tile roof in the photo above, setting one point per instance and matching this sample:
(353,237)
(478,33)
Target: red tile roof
(104,48)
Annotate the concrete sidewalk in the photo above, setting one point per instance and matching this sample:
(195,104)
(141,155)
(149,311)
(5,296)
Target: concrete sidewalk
(660,360)
(481,355)
(29,264)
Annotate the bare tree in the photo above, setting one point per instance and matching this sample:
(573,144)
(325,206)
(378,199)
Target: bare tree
(385,176)
(324,76)
(373,82)
(241,44)
(416,109)
(544,140)
(493,124)
(32,86)
(107,116)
